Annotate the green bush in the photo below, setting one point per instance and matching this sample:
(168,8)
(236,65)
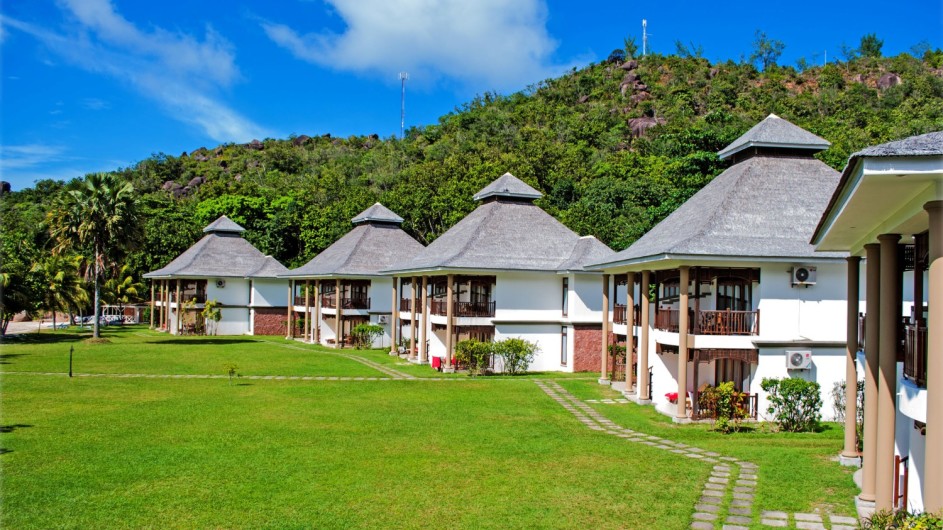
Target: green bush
(795,404)
(516,354)
(474,354)
(365,334)
(726,406)
(901,520)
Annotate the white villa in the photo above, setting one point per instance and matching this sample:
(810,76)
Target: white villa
(224,267)
(508,269)
(888,208)
(738,293)
(342,286)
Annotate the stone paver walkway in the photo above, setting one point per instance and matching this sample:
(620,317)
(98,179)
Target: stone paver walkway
(395,374)
(727,497)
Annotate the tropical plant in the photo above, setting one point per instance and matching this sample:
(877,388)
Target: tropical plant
(97,217)
(211,313)
(795,404)
(365,334)
(727,407)
(902,520)
(16,296)
(63,287)
(475,355)
(120,288)
(516,354)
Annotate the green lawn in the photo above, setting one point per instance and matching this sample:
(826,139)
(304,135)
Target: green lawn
(483,452)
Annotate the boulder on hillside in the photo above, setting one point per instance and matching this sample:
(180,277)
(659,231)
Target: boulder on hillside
(631,64)
(639,97)
(218,152)
(300,140)
(630,78)
(195,181)
(4,187)
(583,99)
(638,126)
(888,80)
(199,151)
(374,136)
(713,73)
(169,185)
(255,145)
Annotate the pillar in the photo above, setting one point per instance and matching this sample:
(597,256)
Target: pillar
(306,333)
(645,391)
(683,342)
(394,319)
(338,315)
(850,449)
(179,323)
(933,465)
(153,306)
(165,296)
(629,328)
(888,344)
(871,324)
(316,329)
(423,341)
(291,303)
(604,348)
(449,324)
(412,321)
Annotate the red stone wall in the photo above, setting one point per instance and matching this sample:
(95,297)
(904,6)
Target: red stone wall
(270,321)
(587,343)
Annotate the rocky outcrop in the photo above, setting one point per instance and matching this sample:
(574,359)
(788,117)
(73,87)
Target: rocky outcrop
(638,126)
(888,80)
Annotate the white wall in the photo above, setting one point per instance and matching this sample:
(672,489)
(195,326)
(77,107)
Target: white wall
(828,367)
(529,296)
(268,292)
(235,292)
(381,294)
(816,312)
(546,336)
(585,298)
(234,321)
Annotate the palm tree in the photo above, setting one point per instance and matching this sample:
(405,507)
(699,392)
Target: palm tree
(99,217)
(120,288)
(63,288)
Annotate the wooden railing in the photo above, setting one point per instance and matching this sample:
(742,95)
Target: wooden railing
(404,304)
(464,309)
(330,301)
(618,314)
(915,354)
(669,319)
(728,322)
(198,298)
(300,300)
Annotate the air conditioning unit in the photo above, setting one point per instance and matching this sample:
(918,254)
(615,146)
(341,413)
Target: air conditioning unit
(803,276)
(220,284)
(382,319)
(799,360)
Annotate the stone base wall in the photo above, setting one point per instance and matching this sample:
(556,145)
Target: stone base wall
(587,343)
(270,321)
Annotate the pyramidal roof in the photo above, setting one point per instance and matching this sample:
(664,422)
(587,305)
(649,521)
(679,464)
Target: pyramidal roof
(775,132)
(221,253)
(930,144)
(377,214)
(507,235)
(376,243)
(507,185)
(224,224)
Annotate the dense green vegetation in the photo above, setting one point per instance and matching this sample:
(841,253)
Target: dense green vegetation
(613,150)
(469,453)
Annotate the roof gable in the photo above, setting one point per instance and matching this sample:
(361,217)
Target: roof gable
(224,224)
(930,144)
(377,214)
(507,185)
(775,132)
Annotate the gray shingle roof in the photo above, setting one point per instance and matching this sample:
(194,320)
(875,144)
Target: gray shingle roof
(761,207)
(506,235)
(507,185)
(775,132)
(221,254)
(377,213)
(224,224)
(364,251)
(930,144)
(587,250)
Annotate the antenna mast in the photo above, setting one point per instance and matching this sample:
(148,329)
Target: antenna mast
(403,76)
(644,37)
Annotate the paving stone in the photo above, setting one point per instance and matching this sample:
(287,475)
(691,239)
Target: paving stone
(711,454)
(720,474)
(712,486)
(748,476)
(747,465)
(713,493)
(717,480)
(814,517)
(739,510)
(707,508)
(702,525)
(710,500)
(750,483)
(775,515)
(742,489)
(741,502)
(841,519)
(743,496)
(739,519)
(844,527)
(734,527)
(774,522)
(708,459)
(701,516)
(809,525)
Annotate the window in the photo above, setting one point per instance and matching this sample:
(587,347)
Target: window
(671,289)
(566,291)
(563,345)
(733,294)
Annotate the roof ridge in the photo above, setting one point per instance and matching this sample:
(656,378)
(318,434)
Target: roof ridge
(356,245)
(478,233)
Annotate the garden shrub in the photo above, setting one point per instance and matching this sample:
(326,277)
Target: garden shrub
(902,520)
(474,354)
(516,354)
(728,407)
(365,334)
(795,404)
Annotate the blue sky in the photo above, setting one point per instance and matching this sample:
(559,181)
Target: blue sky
(94,85)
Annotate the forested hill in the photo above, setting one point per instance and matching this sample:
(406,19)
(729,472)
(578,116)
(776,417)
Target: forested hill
(614,147)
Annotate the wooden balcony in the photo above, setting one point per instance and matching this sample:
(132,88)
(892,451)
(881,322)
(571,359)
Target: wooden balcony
(915,354)
(464,309)
(710,322)
(404,304)
(299,300)
(620,314)
(329,301)
(197,298)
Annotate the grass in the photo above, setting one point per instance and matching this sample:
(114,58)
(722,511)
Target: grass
(476,452)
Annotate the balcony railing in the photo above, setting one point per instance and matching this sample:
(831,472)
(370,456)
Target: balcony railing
(902,335)
(404,304)
(299,300)
(619,314)
(915,354)
(728,322)
(710,322)
(359,302)
(198,298)
(464,309)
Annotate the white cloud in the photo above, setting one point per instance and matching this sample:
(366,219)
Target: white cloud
(28,155)
(482,44)
(181,72)
(95,104)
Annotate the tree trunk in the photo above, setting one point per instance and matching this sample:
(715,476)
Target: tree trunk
(95,332)
(53,320)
